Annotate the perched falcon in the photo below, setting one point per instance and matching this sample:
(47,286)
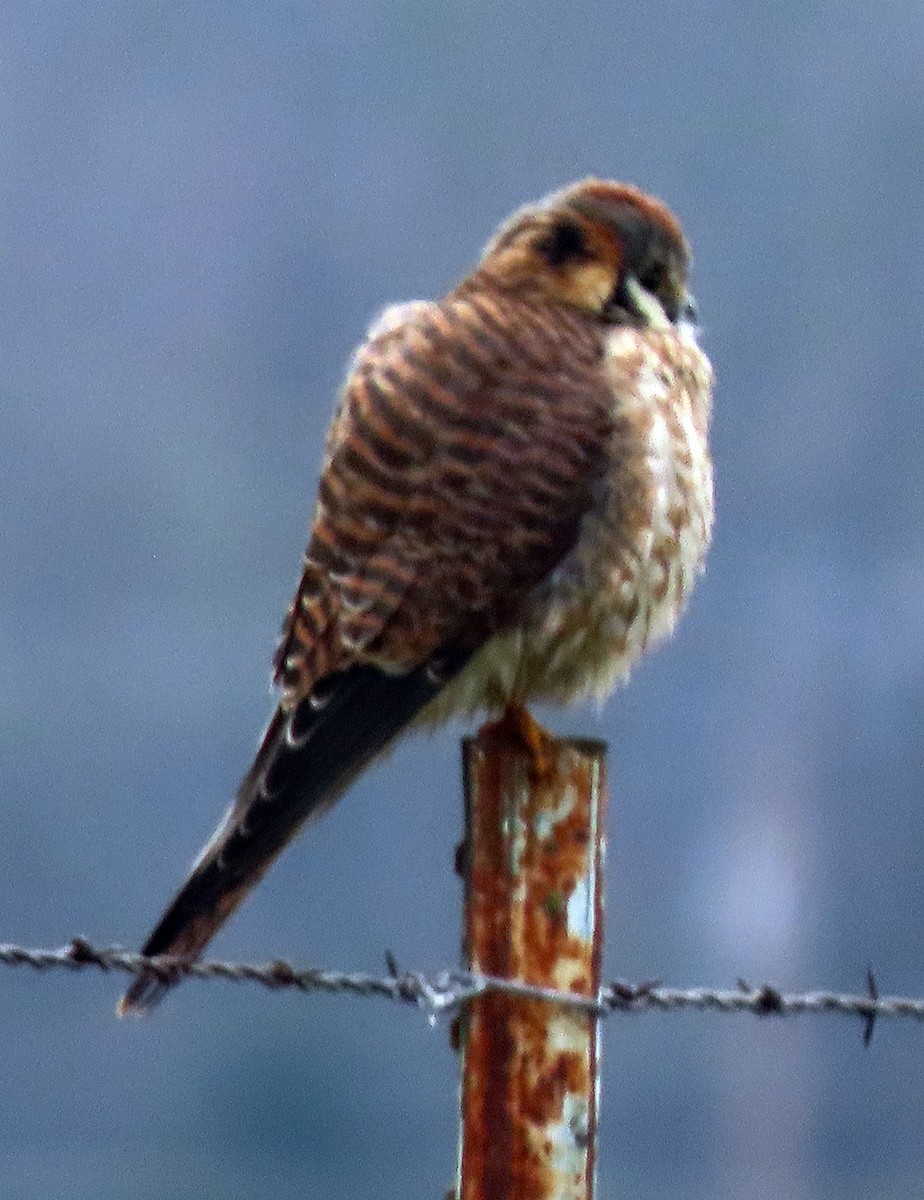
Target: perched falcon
(515,501)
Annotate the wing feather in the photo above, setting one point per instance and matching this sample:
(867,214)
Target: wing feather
(465,451)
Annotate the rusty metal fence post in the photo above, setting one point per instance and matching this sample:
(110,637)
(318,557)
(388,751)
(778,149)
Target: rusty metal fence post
(532,862)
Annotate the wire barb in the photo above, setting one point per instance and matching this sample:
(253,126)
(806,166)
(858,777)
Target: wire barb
(448,991)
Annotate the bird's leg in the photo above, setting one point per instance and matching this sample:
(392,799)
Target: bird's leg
(517,725)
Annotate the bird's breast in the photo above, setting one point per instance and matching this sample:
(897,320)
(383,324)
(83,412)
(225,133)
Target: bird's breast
(640,548)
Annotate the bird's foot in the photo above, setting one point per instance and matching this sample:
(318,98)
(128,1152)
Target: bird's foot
(518,726)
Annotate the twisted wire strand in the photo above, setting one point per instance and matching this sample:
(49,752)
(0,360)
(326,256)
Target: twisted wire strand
(447,991)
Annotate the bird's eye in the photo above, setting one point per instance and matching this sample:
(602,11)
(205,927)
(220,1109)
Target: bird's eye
(659,281)
(654,279)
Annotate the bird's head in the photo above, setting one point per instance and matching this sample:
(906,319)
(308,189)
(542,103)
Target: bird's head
(603,247)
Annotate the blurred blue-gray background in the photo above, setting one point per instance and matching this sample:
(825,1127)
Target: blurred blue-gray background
(201,206)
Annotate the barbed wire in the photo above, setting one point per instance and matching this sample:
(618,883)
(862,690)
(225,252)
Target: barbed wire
(447,991)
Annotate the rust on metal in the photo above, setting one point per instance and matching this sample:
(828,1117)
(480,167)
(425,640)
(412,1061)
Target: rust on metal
(533,868)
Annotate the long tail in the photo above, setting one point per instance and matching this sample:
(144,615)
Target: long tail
(306,760)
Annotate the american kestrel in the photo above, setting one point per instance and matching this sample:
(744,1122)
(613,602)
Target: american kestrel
(515,501)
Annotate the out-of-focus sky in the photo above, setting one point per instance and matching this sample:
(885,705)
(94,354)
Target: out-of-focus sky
(201,207)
